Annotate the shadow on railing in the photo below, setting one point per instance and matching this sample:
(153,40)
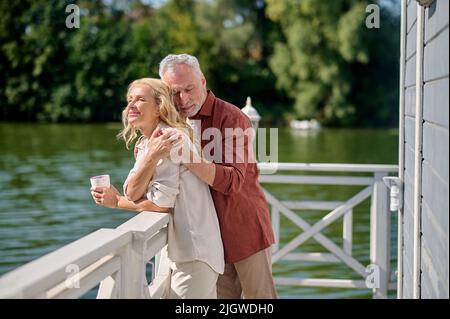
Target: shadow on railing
(117,258)
(380,229)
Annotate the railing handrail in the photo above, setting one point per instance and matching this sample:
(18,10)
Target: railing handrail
(328,167)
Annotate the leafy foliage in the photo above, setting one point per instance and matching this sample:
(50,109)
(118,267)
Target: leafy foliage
(295,58)
(334,67)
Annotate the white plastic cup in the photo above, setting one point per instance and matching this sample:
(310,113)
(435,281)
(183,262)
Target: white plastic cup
(100,180)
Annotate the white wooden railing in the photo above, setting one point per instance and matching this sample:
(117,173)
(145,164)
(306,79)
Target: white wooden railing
(114,258)
(380,229)
(117,258)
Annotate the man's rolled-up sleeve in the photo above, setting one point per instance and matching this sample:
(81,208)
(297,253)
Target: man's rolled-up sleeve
(230,174)
(228,179)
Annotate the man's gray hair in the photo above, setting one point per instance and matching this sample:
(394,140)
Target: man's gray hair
(170,61)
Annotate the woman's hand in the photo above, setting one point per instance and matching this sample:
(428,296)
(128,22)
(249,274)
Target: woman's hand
(105,196)
(161,143)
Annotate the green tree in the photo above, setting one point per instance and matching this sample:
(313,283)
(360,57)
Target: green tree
(236,40)
(53,73)
(32,55)
(100,56)
(325,42)
(148,40)
(323,60)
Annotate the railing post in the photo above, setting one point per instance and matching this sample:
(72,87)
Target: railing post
(380,236)
(162,263)
(132,283)
(276,227)
(109,287)
(158,286)
(347,232)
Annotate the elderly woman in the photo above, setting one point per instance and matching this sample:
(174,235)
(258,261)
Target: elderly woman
(195,248)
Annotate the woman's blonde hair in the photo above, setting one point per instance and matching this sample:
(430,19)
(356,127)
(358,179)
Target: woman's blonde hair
(168,112)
